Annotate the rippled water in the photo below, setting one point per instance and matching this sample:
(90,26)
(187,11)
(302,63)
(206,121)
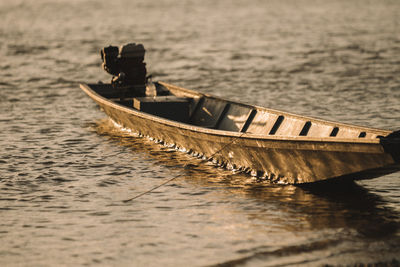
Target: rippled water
(65,168)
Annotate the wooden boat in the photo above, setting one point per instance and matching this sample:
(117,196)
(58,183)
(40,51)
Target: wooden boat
(280,146)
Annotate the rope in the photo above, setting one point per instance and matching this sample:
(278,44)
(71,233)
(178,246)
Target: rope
(177,176)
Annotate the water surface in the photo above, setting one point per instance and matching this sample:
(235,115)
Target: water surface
(65,168)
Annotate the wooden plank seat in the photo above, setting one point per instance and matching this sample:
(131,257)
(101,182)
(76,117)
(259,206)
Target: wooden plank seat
(169,107)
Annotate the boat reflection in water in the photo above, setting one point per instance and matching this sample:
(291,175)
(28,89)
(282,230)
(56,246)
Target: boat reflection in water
(321,223)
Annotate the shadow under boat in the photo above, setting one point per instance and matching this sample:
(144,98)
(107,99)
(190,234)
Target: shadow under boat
(317,206)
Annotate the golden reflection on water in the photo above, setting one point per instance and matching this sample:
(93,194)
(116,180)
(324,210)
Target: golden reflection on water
(62,185)
(305,208)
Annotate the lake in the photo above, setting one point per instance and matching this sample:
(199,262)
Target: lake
(66,169)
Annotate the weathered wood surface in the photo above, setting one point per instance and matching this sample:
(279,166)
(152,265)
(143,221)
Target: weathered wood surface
(284,147)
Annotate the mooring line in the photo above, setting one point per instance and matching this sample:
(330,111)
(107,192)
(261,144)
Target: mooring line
(177,176)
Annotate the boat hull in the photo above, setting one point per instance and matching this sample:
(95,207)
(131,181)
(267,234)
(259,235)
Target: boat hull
(289,160)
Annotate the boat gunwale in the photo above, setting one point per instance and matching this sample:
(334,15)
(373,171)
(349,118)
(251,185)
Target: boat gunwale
(281,112)
(243,135)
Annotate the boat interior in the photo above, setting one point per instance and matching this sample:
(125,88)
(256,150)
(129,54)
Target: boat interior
(194,108)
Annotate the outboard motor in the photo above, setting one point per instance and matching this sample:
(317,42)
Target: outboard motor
(125,64)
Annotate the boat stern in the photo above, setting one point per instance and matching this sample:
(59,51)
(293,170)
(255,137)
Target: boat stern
(391,145)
